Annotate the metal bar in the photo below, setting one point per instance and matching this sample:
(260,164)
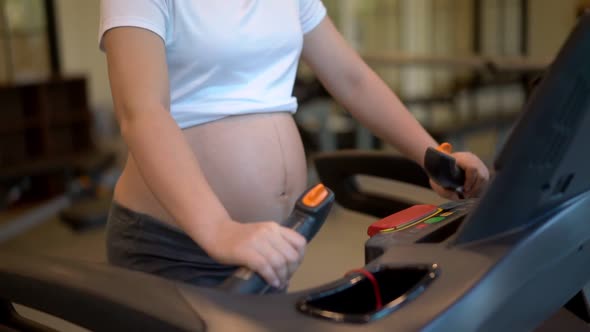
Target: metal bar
(502,13)
(34,217)
(477,26)
(52,39)
(475,62)
(524,27)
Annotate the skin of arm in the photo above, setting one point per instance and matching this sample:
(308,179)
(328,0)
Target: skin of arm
(359,89)
(139,84)
(141,98)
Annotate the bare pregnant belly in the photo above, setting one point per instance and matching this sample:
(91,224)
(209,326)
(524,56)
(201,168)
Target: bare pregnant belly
(254,163)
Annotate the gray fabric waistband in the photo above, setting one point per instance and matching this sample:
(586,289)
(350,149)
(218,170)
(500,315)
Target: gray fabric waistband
(140,242)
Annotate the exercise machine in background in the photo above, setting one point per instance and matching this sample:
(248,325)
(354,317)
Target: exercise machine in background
(88,182)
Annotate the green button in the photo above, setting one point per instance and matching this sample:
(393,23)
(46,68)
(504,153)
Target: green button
(434,220)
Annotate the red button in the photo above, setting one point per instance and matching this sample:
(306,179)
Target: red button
(421,226)
(402,218)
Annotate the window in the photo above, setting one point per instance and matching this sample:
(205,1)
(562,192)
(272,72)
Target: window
(25,39)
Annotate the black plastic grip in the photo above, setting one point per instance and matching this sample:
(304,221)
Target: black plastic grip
(305,220)
(443,169)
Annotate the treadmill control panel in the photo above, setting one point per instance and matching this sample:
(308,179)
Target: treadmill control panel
(417,217)
(417,224)
(404,219)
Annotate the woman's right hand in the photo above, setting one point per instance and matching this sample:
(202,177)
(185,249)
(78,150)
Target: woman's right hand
(271,250)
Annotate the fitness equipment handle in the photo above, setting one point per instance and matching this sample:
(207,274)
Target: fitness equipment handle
(443,169)
(307,218)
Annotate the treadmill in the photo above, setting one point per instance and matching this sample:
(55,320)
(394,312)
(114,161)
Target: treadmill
(507,262)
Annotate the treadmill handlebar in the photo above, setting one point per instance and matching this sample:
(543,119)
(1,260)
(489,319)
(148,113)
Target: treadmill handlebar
(84,293)
(442,168)
(308,216)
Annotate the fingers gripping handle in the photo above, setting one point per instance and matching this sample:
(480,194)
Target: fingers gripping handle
(443,169)
(308,216)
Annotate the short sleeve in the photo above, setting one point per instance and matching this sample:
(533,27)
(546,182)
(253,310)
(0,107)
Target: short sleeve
(147,14)
(311,13)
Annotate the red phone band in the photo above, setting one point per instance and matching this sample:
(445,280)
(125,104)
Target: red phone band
(373,280)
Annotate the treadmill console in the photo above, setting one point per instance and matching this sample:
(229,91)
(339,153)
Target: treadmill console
(417,224)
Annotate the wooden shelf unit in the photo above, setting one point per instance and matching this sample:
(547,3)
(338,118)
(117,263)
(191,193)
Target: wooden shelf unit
(43,123)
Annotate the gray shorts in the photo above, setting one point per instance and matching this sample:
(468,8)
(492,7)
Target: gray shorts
(140,242)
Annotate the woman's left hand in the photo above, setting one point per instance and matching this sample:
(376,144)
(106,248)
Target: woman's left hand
(477,176)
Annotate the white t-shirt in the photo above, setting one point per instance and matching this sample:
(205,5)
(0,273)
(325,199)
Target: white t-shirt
(224,57)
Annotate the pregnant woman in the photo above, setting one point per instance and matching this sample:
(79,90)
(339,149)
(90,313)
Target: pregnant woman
(203,95)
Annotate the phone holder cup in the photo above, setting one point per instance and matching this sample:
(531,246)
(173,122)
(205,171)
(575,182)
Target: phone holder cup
(367,295)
